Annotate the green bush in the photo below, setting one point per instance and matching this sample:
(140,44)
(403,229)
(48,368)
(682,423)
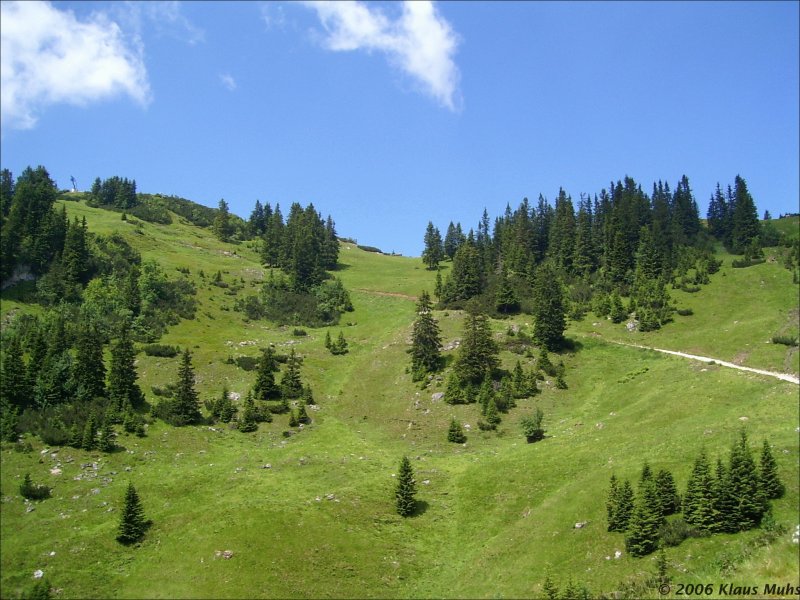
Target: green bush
(162,350)
(685,312)
(672,533)
(33,491)
(786,340)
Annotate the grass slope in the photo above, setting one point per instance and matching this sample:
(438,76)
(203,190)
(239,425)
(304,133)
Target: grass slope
(495,513)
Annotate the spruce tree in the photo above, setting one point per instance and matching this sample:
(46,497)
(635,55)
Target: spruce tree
(122,377)
(549,588)
(425,340)
(771,485)
(699,500)
(90,371)
(455,433)
(132,525)
(302,415)
(339,347)
(667,493)
(532,426)
(642,536)
(647,473)
(749,501)
(612,502)
(247,419)
(624,506)
(745,225)
(16,385)
(478,354)
(492,414)
(185,405)
(291,385)
(405,490)
(265,387)
(433,253)
(89,440)
(222,226)
(723,501)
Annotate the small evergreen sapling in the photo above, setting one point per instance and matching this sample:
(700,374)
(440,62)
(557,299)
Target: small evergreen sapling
(771,484)
(33,491)
(532,426)
(405,490)
(455,433)
(132,525)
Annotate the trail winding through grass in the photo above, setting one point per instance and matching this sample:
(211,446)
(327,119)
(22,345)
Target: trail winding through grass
(783,376)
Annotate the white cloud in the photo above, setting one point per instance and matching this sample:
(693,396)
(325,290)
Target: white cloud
(419,42)
(164,17)
(272,14)
(48,56)
(228,81)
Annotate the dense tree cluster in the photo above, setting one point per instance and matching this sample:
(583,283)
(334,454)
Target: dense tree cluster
(622,242)
(733,217)
(117,192)
(732,497)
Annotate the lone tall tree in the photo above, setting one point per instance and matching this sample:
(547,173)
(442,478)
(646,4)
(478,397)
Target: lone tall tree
(433,253)
(425,341)
(186,407)
(132,525)
(406,489)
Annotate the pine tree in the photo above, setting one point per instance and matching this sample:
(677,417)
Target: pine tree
(185,405)
(339,347)
(698,501)
(16,385)
(642,536)
(122,377)
(302,415)
(478,354)
(90,371)
(549,588)
(265,387)
(506,300)
(405,490)
(425,340)
(548,308)
(222,226)
(624,506)
(132,524)
(308,396)
(647,473)
(667,493)
(433,253)
(291,385)
(612,502)
(723,501)
(89,439)
(492,414)
(745,218)
(455,433)
(328,342)
(105,442)
(247,419)
(771,485)
(749,501)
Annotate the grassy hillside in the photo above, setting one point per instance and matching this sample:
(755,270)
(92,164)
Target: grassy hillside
(495,513)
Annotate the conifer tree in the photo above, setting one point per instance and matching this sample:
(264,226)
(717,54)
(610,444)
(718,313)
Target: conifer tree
(132,525)
(478,354)
(122,377)
(265,387)
(548,308)
(291,385)
(16,385)
(612,501)
(339,347)
(302,415)
(425,340)
(667,493)
(308,396)
(506,299)
(549,588)
(328,342)
(771,485)
(748,499)
(698,501)
(433,253)
(105,442)
(723,501)
(485,393)
(222,225)
(405,490)
(90,371)
(455,433)
(247,419)
(647,473)
(532,426)
(89,439)
(185,405)
(745,225)
(642,536)
(624,506)
(492,414)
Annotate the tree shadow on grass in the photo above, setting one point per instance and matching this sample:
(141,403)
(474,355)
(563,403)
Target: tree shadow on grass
(420,508)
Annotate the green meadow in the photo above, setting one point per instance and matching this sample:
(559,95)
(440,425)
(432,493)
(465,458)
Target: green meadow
(312,514)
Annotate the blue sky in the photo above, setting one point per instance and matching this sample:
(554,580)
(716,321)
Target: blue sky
(387,115)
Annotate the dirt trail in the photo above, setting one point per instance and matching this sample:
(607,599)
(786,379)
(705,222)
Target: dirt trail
(783,376)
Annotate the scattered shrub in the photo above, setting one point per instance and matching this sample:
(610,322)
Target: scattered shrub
(786,340)
(672,533)
(246,363)
(299,332)
(685,312)
(741,264)
(33,491)
(162,350)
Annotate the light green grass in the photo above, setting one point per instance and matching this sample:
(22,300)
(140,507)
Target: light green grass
(497,512)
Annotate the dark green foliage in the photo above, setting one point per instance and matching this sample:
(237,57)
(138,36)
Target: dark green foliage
(433,252)
(339,347)
(532,426)
(132,525)
(466,279)
(161,350)
(617,310)
(642,533)
(33,491)
(425,340)
(786,340)
(492,415)
(115,192)
(745,226)
(699,500)
(122,385)
(89,439)
(291,385)
(222,226)
(544,363)
(673,532)
(293,420)
(90,372)
(506,299)
(478,354)
(771,485)
(549,588)
(647,473)
(619,505)
(405,489)
(247,418)
(667,493)
(184,406)
(749,501)
(16,385)
(40,590)
(106,440)
(455,433)
(265,387)
(302,415)
(307,397)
